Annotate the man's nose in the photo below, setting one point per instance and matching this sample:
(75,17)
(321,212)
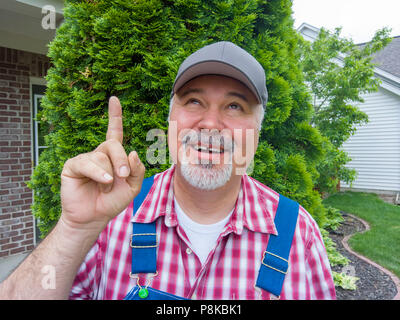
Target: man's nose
(211,119)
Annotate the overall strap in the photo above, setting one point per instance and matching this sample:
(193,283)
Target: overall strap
(144,237)
(275,263)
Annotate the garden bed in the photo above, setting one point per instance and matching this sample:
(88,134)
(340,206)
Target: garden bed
(373,283)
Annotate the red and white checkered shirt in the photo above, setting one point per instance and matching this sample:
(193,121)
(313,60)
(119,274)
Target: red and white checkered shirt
(231,269)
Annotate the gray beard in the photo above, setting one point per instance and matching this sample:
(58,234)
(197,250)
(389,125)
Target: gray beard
(206,176)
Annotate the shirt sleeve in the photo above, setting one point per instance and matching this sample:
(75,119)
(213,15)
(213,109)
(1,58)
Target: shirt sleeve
(320,275)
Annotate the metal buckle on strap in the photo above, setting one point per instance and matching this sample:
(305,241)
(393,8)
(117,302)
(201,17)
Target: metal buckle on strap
(143,234)
(272,254)
(149,278)
(143,293)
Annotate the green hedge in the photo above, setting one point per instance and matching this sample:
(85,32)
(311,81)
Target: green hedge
(132,49)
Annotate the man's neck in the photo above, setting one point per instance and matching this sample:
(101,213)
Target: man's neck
(206,206)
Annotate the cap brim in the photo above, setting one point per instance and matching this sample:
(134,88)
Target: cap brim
(214,68)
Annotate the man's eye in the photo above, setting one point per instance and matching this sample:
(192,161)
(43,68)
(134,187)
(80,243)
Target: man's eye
(194,101)
(235,106)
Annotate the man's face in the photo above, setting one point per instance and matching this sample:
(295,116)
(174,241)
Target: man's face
(213,130)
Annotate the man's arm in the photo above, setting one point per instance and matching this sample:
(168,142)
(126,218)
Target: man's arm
(95,187)
(48,272)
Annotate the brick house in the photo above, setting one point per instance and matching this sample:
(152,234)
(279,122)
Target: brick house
(23,65)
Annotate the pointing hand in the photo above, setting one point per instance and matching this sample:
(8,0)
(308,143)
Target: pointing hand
(97,186)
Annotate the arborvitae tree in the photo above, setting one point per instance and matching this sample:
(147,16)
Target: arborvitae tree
(132,49)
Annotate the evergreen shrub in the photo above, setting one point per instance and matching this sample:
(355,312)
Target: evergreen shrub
(132,49)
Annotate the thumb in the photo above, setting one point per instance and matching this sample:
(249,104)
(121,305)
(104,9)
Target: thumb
(136,176)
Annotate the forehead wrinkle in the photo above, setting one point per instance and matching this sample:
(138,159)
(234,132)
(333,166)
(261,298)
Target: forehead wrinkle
(238,95)
(189,91)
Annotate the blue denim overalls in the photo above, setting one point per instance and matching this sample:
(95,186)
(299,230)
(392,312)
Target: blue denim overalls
(274,264)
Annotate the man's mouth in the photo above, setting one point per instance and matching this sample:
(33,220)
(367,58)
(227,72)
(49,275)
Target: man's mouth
(205,149)
(208,146)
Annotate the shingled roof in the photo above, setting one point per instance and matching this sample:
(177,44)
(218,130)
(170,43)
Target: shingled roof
(388,59)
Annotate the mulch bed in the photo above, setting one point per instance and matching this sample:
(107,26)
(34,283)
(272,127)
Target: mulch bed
(373,284)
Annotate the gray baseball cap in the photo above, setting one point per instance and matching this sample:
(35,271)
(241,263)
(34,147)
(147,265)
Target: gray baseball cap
(227,59)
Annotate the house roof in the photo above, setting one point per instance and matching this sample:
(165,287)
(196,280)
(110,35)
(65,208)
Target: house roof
(21,24)
(388,59)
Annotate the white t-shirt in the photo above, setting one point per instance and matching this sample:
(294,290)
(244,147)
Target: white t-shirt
(203,237)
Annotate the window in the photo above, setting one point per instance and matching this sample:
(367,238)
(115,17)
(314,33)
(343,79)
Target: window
(39,130)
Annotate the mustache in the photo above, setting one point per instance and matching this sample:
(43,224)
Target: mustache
(209,138)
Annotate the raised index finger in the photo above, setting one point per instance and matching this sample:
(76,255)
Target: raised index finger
(115,130)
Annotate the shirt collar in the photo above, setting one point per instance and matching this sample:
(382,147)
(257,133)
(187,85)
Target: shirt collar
(255,207)
(159,201)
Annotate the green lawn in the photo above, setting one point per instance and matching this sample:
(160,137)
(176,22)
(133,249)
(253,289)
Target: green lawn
(382,243)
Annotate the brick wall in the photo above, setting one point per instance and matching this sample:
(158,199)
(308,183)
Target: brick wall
(16,221)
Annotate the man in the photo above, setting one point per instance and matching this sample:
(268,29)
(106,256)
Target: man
(211,222)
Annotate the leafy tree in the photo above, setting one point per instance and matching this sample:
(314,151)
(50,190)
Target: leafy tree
(338,73)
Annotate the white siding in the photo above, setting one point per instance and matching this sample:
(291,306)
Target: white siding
(375,147)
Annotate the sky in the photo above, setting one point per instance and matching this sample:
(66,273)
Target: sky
(359,19)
